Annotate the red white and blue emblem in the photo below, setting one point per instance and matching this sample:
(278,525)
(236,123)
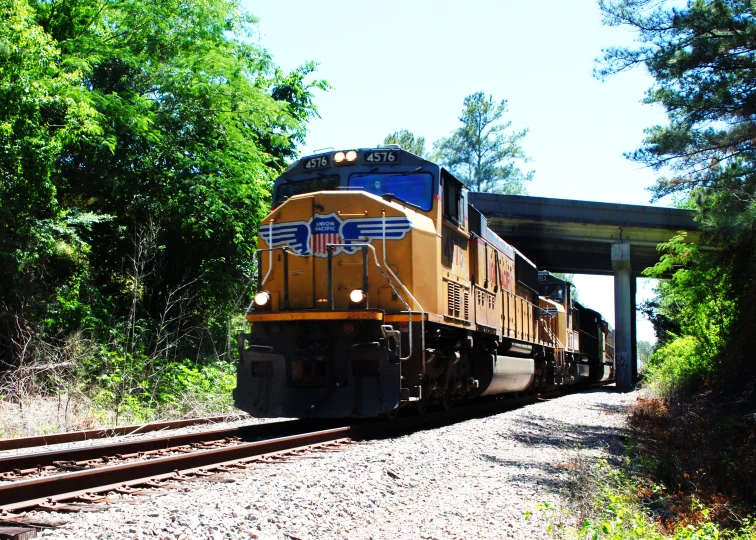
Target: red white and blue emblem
(312,237)
(323,231)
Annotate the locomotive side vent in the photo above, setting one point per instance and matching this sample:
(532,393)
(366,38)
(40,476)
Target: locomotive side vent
(458,301)
(454,299)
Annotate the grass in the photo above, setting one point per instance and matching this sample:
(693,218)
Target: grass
(46,405)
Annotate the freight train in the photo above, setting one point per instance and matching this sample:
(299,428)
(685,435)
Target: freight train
(380,287)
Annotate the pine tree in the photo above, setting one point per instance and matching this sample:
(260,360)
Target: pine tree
(483,153)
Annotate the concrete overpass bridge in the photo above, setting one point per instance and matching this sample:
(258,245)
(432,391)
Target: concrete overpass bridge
(584,237)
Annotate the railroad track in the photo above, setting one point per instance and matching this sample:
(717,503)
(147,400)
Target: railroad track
(23,466)
(46,480)
(78,436)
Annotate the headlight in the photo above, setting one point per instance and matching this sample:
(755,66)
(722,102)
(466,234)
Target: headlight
(262,300)
(345,157)
(357,299)
(357,296)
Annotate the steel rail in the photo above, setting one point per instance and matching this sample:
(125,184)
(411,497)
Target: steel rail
(80,454)
(77,436)
(26,493)
(46,459)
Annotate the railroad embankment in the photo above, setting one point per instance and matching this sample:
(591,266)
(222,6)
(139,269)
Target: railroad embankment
(494,477)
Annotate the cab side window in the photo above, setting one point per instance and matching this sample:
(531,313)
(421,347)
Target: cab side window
(454,201)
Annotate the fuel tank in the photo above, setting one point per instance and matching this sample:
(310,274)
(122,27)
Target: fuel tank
(508,374)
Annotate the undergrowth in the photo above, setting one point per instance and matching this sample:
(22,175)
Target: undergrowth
(688,472)
(628,505)
(87,395)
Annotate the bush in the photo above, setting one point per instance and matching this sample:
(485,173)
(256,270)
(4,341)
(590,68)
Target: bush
(141,390)
(677,366)
(621,512)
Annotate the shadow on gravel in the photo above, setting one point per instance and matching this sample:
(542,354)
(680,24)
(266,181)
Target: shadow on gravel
(608,408)
(555,476)
(539,432)
(573,441)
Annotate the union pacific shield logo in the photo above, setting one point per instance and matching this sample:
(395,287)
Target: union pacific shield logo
(323,231)
(312,237)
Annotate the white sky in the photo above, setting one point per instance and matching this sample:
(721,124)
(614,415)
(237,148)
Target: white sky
(409,65)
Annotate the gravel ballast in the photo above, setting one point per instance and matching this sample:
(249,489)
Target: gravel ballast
(475,479)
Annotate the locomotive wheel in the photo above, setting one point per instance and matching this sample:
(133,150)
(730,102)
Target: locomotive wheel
(445,401)
(390,415)
(420,407)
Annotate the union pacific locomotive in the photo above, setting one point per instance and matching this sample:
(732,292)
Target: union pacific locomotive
(379,286)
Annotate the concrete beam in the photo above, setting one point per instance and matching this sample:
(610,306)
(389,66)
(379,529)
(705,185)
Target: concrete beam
(576,236)
(543,209)
(624,316)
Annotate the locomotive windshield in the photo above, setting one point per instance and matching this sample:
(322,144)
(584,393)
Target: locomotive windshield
(413,188)
(553,291)
(307,185)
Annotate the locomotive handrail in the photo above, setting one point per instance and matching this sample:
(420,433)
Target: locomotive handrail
(388,280)
(259,251)
(554,338)
(261,280)
(270,263)
(422,311)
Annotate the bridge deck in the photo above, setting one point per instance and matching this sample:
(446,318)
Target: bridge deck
(563,235)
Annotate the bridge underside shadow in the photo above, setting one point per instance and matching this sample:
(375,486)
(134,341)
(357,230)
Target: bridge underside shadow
(584,237)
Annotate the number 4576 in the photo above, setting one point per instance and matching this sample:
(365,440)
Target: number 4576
(317,162)
(381,156)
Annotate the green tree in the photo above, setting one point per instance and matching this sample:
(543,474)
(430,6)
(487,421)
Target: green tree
(42,108)
(644,349)
(483,152)
(569,278)
(703,62)
(702,56)
(408,141)
(144,136)
(196,122)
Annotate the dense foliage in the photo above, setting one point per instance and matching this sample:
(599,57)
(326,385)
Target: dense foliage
(139,139)
(694,315)
(696,441)
(702,56)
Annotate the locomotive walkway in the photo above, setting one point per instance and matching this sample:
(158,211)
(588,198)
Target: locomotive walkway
(583,237)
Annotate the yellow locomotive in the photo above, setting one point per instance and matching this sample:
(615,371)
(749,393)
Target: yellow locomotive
(380,286)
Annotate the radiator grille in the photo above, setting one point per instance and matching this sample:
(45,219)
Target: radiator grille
(458,301)
(454,299)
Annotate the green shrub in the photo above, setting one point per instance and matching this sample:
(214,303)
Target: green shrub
(139,389)
(678,365)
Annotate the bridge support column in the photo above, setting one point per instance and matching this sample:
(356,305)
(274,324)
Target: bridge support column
(624,316)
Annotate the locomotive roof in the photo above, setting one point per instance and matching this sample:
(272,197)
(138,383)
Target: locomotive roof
(406,157)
